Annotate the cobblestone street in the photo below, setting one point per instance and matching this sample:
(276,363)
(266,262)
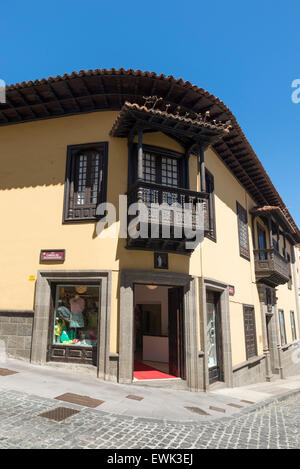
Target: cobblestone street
(275,426)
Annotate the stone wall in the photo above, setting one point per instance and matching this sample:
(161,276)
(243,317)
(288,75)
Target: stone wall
(290,357)
(16,332)
(250,372)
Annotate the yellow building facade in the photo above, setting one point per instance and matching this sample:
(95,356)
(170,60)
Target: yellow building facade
(140,309)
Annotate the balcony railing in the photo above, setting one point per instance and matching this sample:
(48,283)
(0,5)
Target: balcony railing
(271,267)
(178,200)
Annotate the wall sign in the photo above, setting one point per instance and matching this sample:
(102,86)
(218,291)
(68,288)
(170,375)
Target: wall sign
(231,290)
(161,260)
(52,255)
(31,278)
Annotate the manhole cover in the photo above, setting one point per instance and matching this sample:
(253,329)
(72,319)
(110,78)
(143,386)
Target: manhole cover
(217,409)
(134,398)
(247,402)
(197,410)
(79,400)
(59,414)
(237,406)
(6,372)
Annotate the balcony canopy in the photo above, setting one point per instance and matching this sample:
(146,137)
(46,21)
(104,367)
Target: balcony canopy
(282,219)
(189,129)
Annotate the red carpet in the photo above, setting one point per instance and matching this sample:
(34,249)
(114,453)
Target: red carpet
(142,371)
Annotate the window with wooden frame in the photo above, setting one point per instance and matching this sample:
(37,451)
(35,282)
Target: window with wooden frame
(243,231)
(293,326)
(250,331)
(86,179)
(282,326)
(162,166)
(290,282)
(210,188)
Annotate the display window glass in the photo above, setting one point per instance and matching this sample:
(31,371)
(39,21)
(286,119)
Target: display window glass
(76,315)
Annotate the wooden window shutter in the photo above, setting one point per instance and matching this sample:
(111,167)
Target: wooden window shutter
(250,331)
(86,180)
(243,231)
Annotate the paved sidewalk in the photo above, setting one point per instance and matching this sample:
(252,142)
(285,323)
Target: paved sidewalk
(155,403)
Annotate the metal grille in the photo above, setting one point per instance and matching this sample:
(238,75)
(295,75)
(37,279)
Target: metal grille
(197,410)
(134,398)
(79,400)
(59,414)
(6,372)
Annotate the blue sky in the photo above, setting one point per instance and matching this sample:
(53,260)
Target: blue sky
(244,52)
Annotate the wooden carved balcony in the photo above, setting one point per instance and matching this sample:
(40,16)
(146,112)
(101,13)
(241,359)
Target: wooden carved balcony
(152,193)
(270,267)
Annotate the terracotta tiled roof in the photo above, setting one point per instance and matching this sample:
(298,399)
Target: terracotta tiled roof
(187,129)
(269,209)
(93,90)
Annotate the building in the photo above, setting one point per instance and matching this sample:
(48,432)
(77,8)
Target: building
(221,310)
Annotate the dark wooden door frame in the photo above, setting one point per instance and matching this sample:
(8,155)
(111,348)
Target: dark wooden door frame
(176,334)
(217,373)
(222,289)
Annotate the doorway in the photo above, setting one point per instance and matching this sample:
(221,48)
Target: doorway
(214,337)
(158,335)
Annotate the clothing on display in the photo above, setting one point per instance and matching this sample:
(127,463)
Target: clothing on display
(76,315)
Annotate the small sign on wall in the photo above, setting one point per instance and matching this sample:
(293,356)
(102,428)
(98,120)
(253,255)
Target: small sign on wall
(231,290)
(52,255)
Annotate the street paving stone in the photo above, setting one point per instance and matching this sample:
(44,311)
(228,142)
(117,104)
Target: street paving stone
(274,426)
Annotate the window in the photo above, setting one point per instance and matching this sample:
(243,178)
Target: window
(262,242)
(76,315)
(282,327)
(243,231)
(250,331)
(210,188)
(162,167)
(85,186)
(293,326)
(290,282)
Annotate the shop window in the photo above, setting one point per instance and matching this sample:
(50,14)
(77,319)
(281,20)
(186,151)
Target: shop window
(76,315)
(85,185)
(293,326)
(282,327)
(250,331)
(243,231)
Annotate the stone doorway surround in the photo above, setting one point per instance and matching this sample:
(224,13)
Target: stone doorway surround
(42,311)
(222,289)
(131,277)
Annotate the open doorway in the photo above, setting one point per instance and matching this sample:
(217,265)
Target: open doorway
(158,332)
